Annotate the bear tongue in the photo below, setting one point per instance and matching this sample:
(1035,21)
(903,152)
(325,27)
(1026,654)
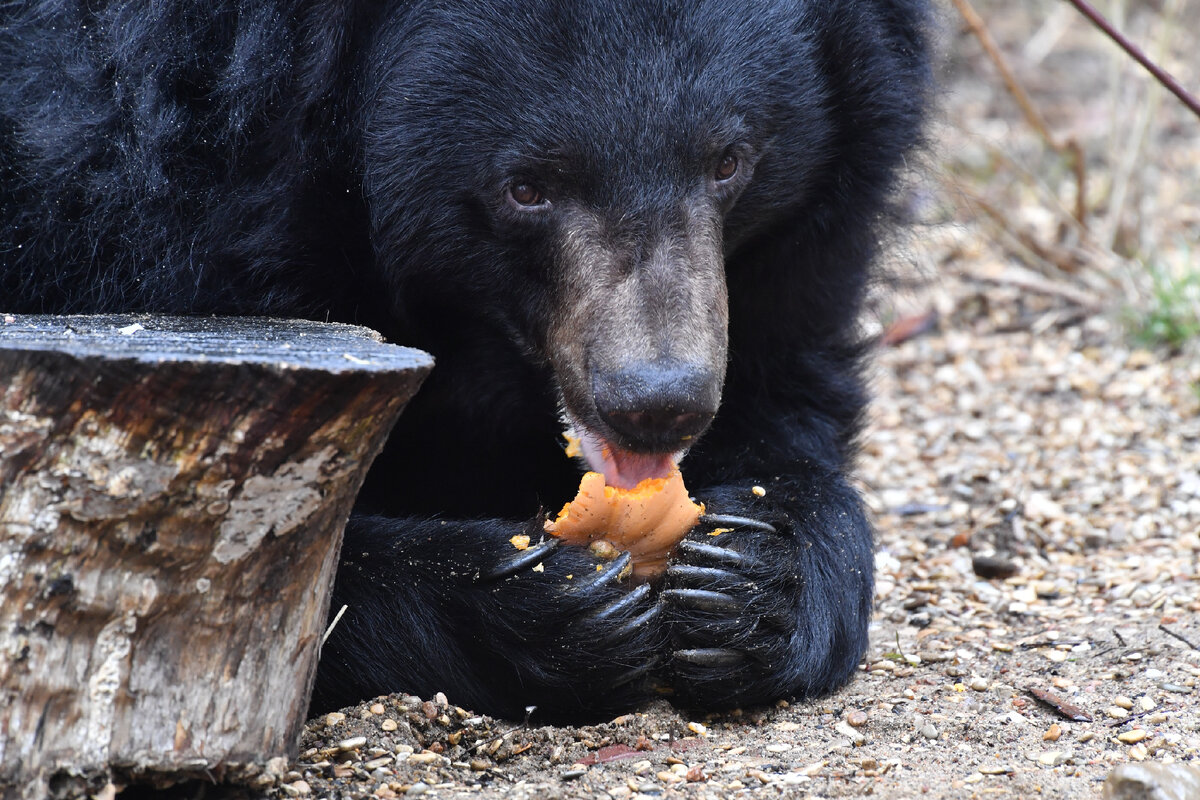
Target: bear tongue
(624,468)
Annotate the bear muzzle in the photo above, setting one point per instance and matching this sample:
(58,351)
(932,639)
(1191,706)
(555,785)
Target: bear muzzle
(656,406)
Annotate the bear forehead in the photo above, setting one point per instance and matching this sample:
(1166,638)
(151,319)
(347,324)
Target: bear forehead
(620,51)
(612,82)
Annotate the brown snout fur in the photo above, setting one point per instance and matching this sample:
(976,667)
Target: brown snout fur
(643,289)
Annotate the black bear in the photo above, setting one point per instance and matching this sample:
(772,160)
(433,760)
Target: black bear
(651,222)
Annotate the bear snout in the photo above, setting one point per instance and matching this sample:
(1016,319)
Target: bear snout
(656,406)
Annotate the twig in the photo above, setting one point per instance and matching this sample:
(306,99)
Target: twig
(1109,229)
(1069,149)
(1163,77)
(337,617)
(977,26)
(1091,262)
(1033,281)
(1116,723)
(1180,637)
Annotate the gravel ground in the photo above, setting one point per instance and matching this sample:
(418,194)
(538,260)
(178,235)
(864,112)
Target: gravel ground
(1035,479)
(1017,439)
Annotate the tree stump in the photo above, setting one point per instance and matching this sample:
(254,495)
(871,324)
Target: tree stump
(172,498)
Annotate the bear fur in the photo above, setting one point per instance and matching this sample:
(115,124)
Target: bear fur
(620,213)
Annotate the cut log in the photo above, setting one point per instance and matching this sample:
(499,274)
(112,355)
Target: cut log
(172,498)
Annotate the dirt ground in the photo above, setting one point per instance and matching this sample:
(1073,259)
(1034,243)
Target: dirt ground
(1034,474)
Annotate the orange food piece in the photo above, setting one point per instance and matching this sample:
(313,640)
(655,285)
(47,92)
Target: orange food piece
(647,520)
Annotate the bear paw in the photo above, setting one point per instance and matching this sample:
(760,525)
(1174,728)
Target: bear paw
(730,607)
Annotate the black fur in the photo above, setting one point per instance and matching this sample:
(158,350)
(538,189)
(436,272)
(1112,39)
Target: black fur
(347,161)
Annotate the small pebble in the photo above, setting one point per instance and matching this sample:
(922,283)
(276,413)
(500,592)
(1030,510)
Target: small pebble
(1140,781)
(929,731)
(418,788)
(997,769)
(1123,702)
(424,758)
(856,719)
(334,717)
(1052,733)
(1132,736)
(856,737)
(758,491)
(573,773)
(979,684)
(352,743)
(377,709)
(389,724)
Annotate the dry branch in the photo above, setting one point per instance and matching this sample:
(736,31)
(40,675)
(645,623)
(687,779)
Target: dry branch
(1069,149)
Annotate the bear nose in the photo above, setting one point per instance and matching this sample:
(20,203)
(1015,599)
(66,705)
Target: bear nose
(656,406)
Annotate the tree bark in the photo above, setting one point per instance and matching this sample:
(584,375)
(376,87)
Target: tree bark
(172,498)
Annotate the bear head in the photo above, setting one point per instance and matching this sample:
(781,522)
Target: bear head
(583,172)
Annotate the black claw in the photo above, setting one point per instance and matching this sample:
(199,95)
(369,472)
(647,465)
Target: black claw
(614,572)
(634,625)
(711,657)
(631,626)
(718,556)
(707,576)
(522,560)
(627,601)
(643,619)
(730,521)
(702,600)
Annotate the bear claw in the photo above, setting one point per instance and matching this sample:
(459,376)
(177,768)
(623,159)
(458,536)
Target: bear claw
(703,600)
(711,656)
(624,603)
(524,559)
(614,572)
(731,521)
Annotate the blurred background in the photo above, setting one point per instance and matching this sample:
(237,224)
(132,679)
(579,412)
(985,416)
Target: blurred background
(1090,194)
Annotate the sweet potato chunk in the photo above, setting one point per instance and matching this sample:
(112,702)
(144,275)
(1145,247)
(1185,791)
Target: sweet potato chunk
(647,520)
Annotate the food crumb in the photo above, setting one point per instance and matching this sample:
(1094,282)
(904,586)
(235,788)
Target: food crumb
(758,491)
(602,548)
(520,541)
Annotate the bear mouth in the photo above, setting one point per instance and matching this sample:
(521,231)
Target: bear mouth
(621,468)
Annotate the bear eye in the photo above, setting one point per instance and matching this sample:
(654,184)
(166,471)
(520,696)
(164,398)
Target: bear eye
(727,167)
(526,195)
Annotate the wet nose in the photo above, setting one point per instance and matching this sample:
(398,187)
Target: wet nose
(656,406)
